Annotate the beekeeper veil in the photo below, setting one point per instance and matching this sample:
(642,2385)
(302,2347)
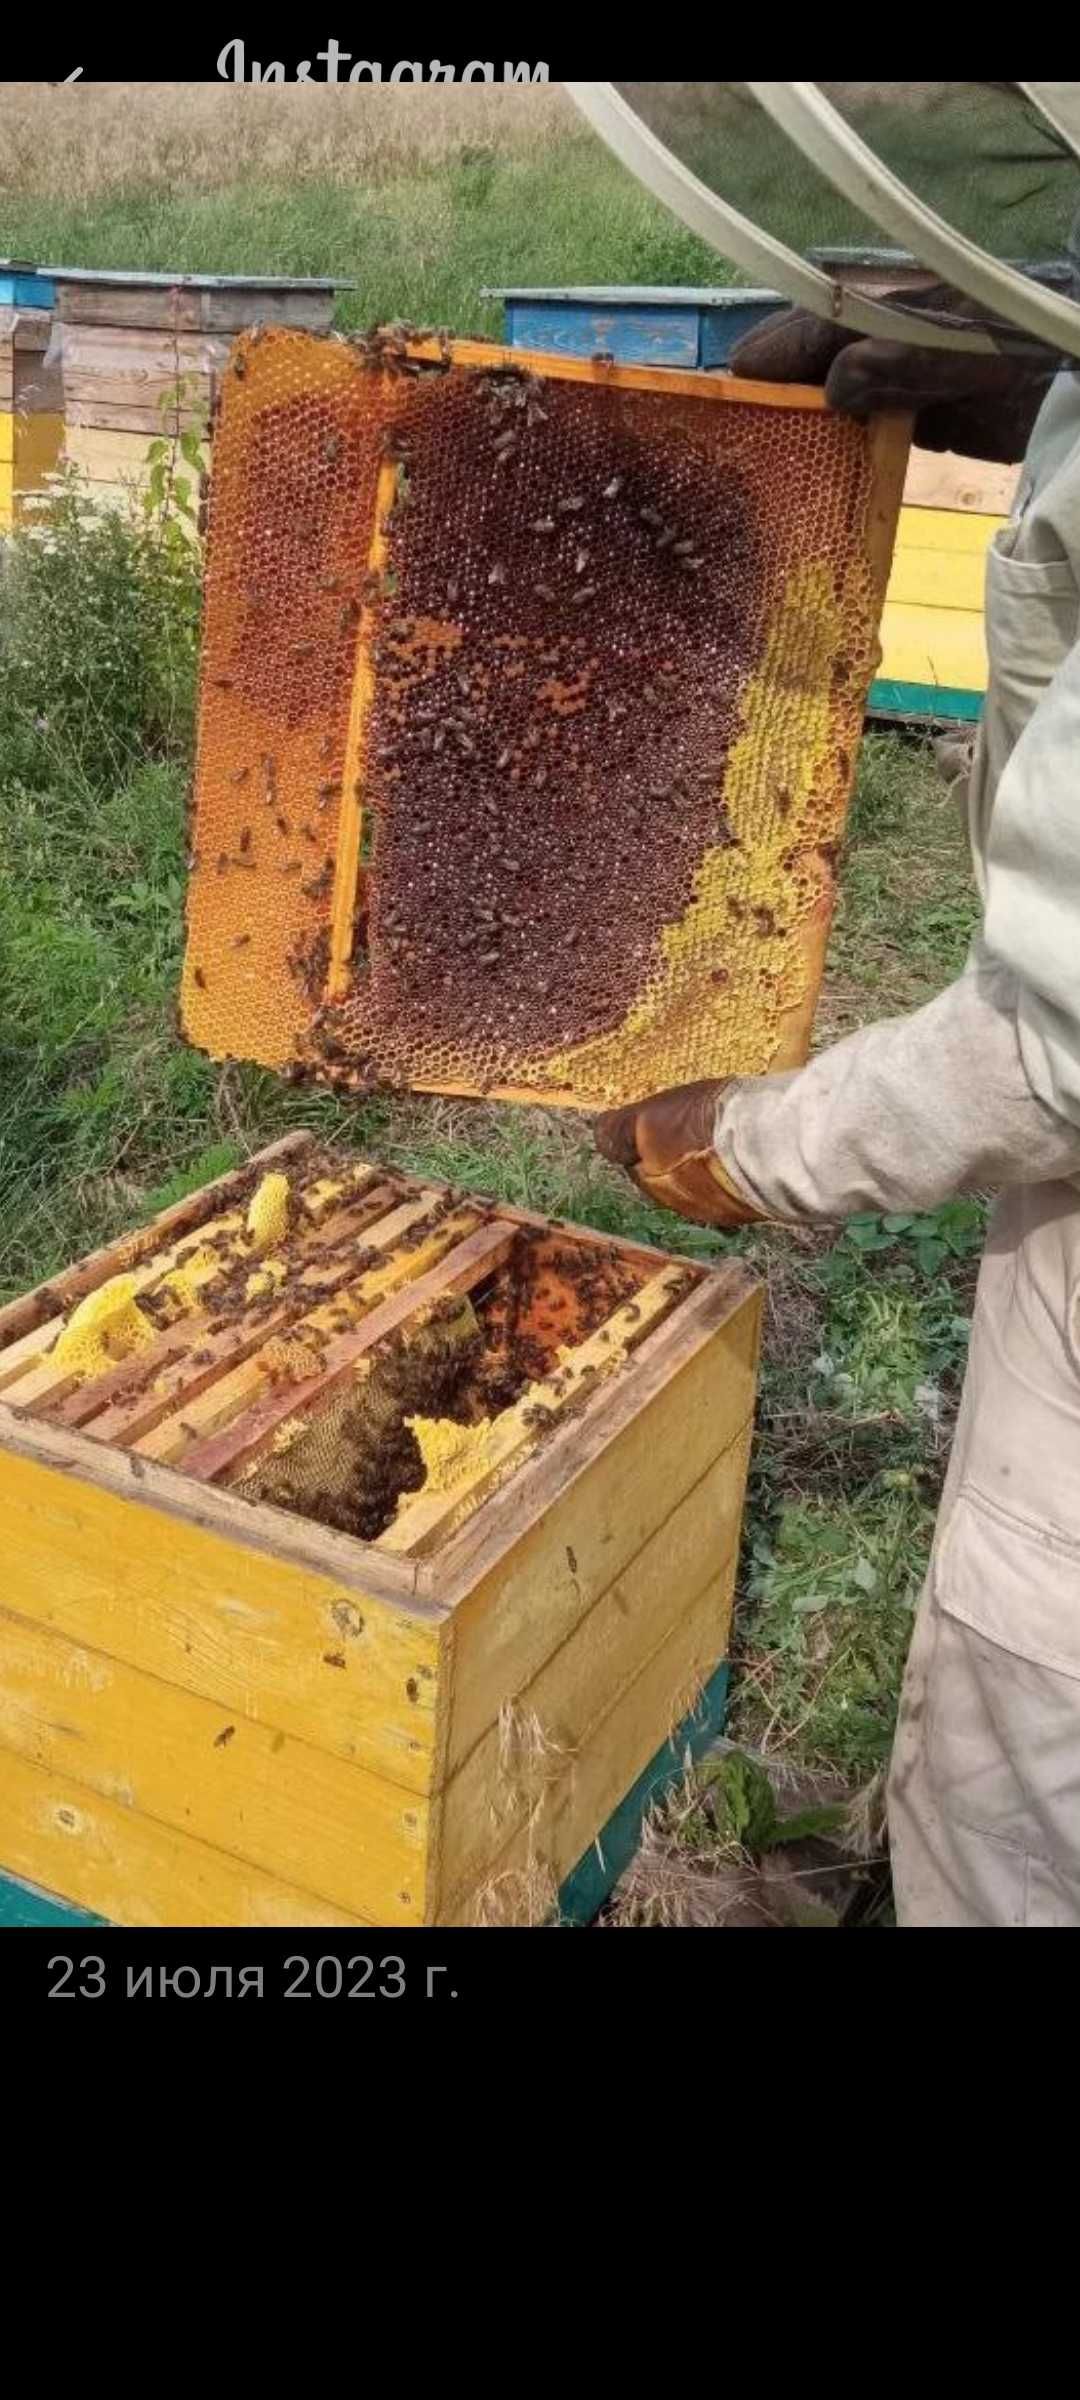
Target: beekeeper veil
(850,198)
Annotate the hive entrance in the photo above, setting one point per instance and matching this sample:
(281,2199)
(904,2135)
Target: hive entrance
(529,709)
(363,1350)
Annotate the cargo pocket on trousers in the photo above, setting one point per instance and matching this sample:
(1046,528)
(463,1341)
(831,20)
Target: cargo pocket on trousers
(1003,1730)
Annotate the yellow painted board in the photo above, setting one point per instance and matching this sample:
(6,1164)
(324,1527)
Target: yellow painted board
(574,1550)
(562,1705)
(275,1642)
(947,529)
(582,1791)
(246,1788)
(945,646)
(101,1856)
(7,437)
(7,493)
(38,443)
(939,579)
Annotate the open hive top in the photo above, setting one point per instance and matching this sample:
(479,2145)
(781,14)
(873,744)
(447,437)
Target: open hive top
(339,1341)
(530,698)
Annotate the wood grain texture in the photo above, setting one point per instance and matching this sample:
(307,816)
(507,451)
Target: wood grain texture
(127,1868)
(582,1789)
(302,1815)
(575,1517)
(694,1550)
(274,1640)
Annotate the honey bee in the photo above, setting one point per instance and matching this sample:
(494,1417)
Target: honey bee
(543,591)
(283,825)
(652,518)
(199,978)
(542,525)
(603,358)
(586,592)
(239,774)
(497,573)
(223,862)
(292,866)
(245,840)
(239,367)
(571,504)
(241,940)
(331,448)
(506,443)
(222,683)
(581,562)
(612,489)
(685,548)
(691,566)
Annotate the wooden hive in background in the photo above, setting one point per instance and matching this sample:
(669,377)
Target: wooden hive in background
(219,1710)
(31,403)
(127,341)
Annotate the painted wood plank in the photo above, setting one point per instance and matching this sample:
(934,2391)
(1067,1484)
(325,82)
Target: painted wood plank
(425,1516)
(918,702)
(296,1813)
(923,645)
(951,532)
(129,1870)
(693,1550)
(233,1450)
(656,337)
(651,1440)
(7,437)
(938,579)
(598,1871)
(583,1789)
(25,1905)
(312,1652)
(24,289)
(722,327)
(940,479)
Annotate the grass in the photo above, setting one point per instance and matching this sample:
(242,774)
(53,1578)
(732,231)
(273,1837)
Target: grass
(105,1115)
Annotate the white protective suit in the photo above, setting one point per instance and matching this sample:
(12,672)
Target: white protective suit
(981,1089)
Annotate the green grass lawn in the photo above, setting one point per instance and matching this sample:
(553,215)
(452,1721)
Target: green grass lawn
(104,1114)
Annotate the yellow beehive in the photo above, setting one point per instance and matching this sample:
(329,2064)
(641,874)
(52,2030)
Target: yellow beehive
(217,1708)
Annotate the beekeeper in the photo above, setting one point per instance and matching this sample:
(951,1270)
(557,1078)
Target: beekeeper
(980,1090)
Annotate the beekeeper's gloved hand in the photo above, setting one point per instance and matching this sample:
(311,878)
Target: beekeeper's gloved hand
(667,1146)
(982,405)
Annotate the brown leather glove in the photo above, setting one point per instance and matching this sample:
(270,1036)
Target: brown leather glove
(980,405)
(665,1145)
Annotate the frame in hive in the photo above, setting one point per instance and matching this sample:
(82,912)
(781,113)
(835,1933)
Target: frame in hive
(219,1706)
(531,696)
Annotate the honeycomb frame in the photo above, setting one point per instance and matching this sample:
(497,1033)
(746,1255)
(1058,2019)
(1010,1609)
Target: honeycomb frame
(531,694)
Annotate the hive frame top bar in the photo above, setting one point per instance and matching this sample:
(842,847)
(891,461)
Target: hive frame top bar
(695,383)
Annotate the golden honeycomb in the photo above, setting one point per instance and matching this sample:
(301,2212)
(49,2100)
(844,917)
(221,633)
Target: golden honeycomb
(530,702)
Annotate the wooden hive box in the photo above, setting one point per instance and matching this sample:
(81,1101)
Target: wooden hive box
(31,408)
(130,343)
(215,1710)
